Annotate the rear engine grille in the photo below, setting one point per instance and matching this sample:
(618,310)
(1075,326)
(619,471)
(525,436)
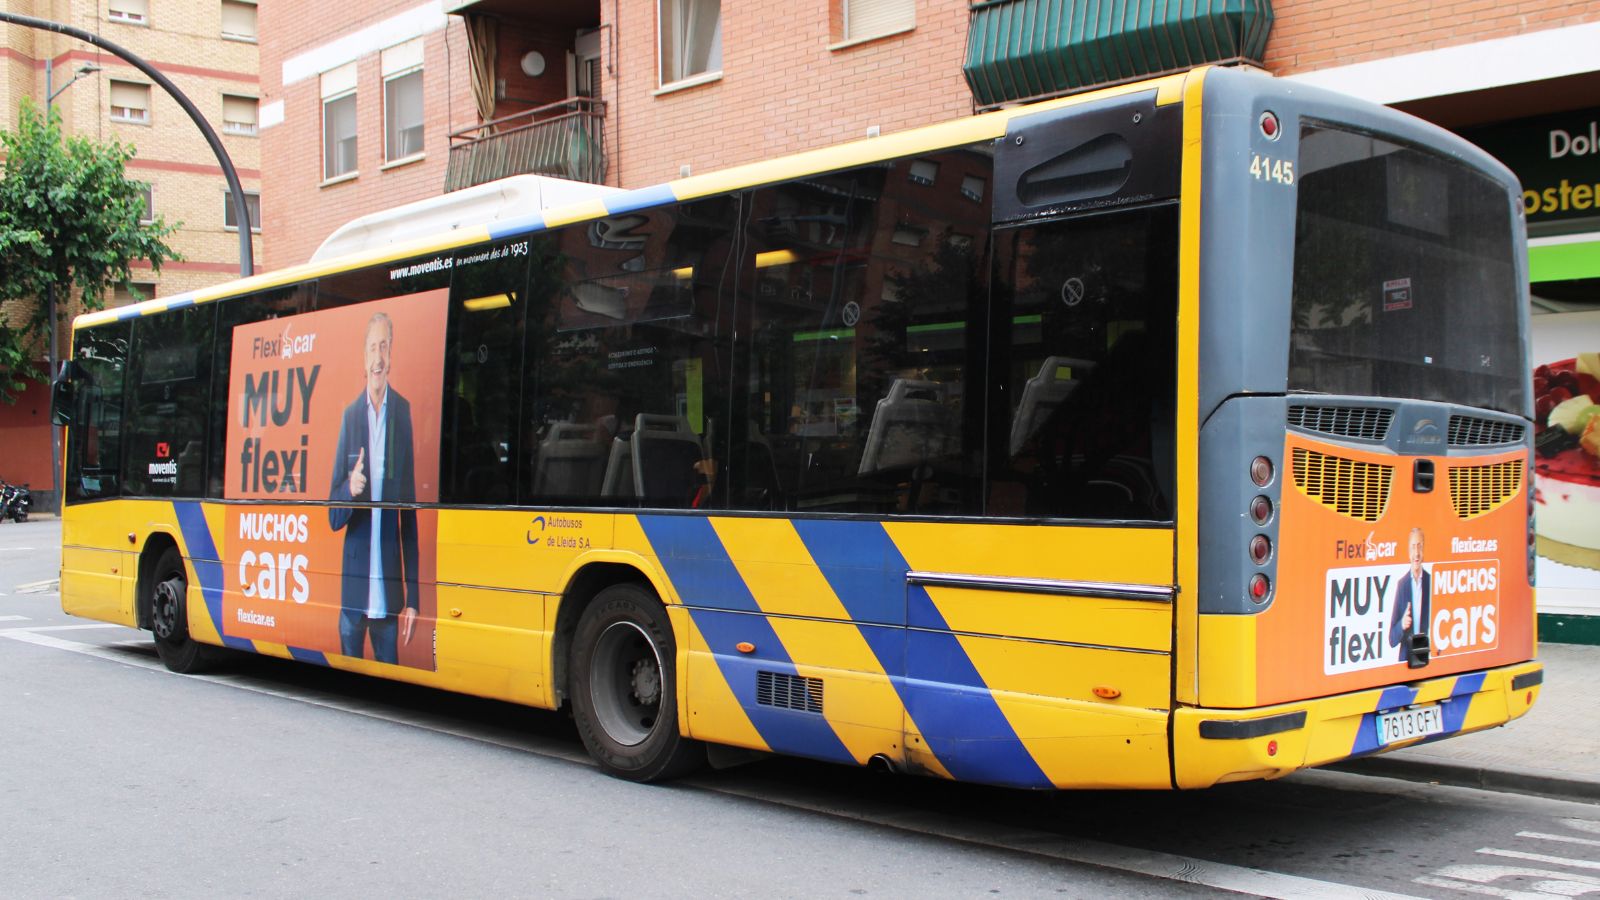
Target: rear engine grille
(1479,490)
(789,691)
(1360,422)
(1349,487)
(1471,431)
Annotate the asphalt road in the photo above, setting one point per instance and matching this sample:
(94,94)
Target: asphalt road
(275,779)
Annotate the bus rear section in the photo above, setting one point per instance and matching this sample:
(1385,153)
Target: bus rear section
(1365,540)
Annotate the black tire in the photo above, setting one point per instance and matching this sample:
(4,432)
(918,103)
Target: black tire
(624,687)
(169,617)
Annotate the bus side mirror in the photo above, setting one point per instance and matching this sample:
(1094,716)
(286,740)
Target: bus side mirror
(64,394)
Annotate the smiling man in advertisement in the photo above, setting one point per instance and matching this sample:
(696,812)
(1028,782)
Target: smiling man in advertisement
(375,463)
(1413,601)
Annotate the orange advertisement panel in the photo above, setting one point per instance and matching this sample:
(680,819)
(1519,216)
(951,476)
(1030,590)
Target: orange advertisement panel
(340,405)
(1375,575)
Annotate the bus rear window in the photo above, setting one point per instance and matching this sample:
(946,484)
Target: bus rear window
(1404,281)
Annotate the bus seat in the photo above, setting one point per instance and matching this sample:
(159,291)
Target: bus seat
(665,451)
(1043,394)
(911,426)
(619,480)
(572,461)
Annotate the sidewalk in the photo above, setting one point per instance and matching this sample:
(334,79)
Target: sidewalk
(1553,751)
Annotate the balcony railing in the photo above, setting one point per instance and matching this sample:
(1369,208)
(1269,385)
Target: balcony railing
(563,139)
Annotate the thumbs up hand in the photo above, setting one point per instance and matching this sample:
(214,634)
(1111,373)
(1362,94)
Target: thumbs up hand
(358,474)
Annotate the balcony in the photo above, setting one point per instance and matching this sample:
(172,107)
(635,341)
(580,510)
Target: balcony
(564,140)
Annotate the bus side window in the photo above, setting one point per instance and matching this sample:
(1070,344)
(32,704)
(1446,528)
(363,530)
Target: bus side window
(94,450)
(626,384)
(483,374)
(169,392)
(864,340)
(1082,416)
(274,304)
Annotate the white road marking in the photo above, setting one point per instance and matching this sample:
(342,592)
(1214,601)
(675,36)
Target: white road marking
(1563,838)
(12,618)
(14,549)
(1540,857)
(38,587)
(1582,825)
(1150,863)
(1475,879)
(55,627)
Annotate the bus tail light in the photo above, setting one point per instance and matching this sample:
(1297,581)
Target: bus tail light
(1261,509)
(1260,549)
(1260,588)
(1261,471)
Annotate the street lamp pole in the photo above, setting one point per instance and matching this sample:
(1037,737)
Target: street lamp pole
(241,209)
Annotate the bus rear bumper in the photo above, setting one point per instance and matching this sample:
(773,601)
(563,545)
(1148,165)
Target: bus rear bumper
(1212,746)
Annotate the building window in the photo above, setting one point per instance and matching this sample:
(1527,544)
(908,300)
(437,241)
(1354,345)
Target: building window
(865,19)
(239,20)
(147,195)
(924,172)
(129,12)
(402,101)
(691,38)
(252,203)
(130,102)
(238,114)
(339,122)
(972,188)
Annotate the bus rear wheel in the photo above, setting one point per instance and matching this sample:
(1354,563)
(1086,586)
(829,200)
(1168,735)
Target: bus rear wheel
(624,687)
(169,617)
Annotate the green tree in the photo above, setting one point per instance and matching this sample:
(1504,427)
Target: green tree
(69,218)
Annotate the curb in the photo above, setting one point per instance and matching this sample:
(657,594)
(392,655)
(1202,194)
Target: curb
(1554,785)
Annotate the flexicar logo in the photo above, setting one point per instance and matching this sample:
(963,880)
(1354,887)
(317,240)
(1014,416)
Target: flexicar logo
(286,346)
(1368,549)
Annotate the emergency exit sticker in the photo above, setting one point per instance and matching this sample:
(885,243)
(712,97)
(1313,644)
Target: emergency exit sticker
(1396,294)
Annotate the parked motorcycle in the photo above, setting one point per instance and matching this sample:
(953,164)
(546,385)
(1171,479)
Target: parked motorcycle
(15,500)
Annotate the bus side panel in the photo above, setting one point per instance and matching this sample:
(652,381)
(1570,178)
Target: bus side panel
(1081,684)
(98,569)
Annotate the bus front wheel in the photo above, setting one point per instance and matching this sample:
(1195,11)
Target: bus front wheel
(624,687)
(169,617)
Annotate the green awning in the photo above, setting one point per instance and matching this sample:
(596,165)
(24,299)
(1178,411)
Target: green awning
(1029,49)
(1565,261)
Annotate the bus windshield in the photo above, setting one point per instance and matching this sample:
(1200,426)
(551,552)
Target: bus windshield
(1404,280)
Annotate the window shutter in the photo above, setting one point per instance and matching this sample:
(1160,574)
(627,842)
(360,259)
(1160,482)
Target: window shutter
(401,57)
(130,96)
(865,18)
(239,19)
(338,81)
(239,115)
(129,10)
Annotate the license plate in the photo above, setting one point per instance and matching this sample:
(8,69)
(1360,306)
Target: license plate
(1412,723)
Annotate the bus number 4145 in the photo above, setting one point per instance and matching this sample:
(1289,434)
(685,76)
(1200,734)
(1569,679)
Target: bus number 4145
(1265,168)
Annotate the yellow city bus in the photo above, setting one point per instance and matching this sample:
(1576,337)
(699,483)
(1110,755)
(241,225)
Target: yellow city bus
(1166,435)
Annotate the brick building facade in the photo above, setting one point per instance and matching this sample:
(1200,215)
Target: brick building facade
(208,49)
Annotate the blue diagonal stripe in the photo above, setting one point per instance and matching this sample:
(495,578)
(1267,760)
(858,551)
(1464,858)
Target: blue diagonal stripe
(207,564)
(943,692)
(725,612)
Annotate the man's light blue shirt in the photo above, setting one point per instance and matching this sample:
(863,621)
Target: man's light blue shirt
(377,429)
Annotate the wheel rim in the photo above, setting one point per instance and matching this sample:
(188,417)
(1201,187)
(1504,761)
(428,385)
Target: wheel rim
(164,608)
(625,683)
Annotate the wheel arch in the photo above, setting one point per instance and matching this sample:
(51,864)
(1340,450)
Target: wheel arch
(154,546)
(586,581)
